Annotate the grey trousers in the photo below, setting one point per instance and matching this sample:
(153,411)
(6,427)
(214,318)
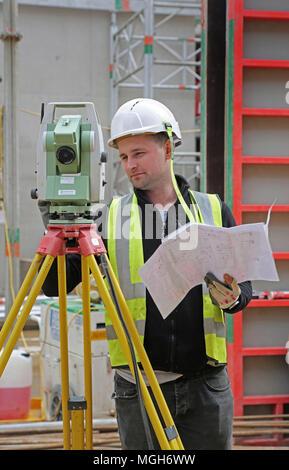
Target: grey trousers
(201,407)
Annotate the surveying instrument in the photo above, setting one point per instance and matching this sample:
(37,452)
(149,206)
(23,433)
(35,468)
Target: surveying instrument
(70,178)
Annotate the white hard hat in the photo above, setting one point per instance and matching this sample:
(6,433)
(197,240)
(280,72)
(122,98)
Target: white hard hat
(141,116)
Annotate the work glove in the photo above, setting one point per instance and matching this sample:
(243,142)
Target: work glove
(225,295)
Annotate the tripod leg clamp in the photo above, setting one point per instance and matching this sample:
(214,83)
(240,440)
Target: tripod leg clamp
(77,403)
(171,433)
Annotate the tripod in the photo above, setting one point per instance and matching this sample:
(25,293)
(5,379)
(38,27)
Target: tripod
(84,239)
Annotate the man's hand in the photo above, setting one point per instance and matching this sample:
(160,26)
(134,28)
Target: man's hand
(225,295)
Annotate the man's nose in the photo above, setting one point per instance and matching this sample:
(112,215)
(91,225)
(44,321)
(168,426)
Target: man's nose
(131,162)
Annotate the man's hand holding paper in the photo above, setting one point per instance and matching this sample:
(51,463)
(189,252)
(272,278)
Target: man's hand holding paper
(225,295)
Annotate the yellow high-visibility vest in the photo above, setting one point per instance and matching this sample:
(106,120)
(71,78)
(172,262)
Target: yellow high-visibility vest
(125,251)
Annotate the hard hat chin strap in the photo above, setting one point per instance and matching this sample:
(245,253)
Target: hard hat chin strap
(184,205)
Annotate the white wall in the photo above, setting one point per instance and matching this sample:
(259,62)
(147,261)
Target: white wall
(64,56)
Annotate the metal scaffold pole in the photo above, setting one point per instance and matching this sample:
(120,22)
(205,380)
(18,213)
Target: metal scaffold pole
(10,194)
(148,49)
(144,60)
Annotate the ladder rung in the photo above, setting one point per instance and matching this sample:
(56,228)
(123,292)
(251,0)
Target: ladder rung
(282,112)
(265,399)
(281,255)
(268,303)
(261,63)
(265,160)
(264,351)
(264,207)
(266,15)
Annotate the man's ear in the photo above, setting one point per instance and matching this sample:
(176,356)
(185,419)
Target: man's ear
(168,149)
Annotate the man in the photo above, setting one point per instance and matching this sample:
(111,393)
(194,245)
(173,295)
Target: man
(187,350)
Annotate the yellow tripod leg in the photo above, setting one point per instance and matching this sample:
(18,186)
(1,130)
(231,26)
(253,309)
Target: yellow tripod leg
(19,325)
(87,349)
(61,267)
(11,317)
(105,295)
(175,443)
(77,427)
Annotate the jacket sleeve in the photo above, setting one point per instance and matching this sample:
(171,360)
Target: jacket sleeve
(73,276)
(246,287)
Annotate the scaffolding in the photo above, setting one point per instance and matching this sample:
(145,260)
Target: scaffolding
(143,58)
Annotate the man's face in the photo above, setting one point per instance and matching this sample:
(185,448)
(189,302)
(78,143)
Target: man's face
(145,161)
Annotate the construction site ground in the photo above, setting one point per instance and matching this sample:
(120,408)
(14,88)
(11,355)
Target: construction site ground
(104,438)
(248,431)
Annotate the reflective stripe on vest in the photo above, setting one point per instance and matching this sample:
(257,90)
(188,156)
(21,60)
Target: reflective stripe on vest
(214,325)
(125,250)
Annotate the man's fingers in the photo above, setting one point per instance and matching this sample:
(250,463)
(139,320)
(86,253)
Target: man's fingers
(233,284)
(226,294)
(219,296)
(228,278)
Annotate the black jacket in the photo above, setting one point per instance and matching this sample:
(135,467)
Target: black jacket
(177,343)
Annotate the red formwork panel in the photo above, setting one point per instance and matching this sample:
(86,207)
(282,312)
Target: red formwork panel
(235,163)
